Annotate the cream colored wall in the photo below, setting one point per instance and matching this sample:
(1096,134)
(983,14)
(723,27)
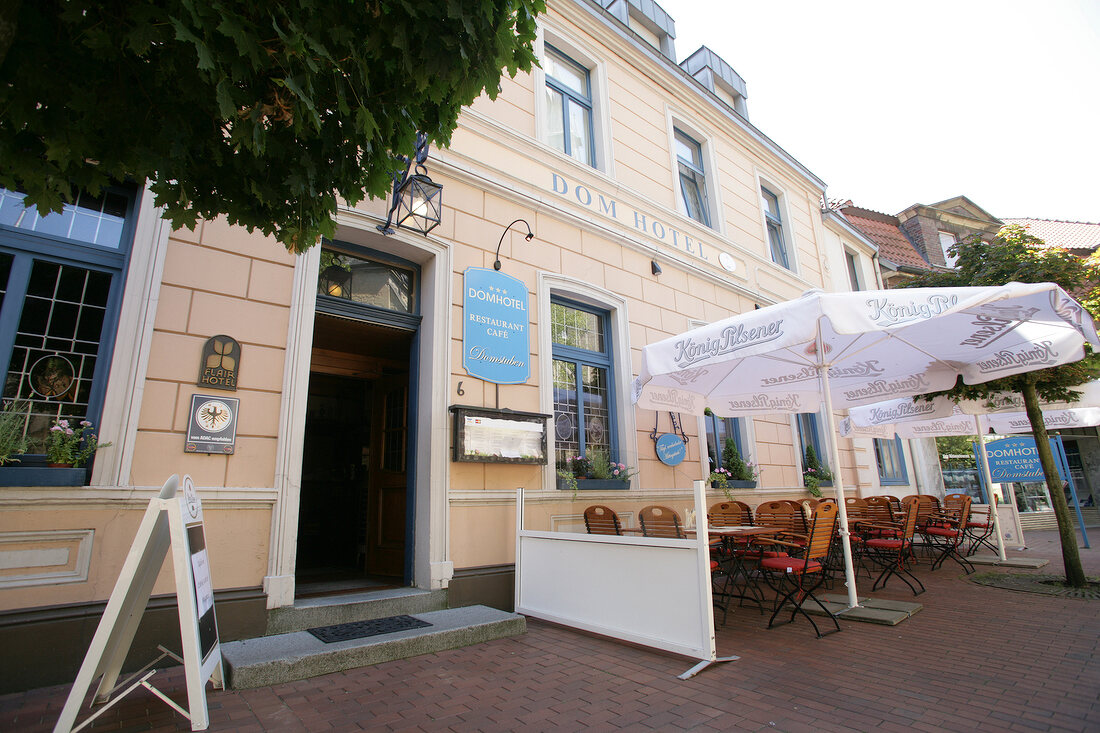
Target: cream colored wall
(236,540)
(217,280)
(497,172)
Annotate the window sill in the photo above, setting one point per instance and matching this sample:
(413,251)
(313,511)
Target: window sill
(42,476)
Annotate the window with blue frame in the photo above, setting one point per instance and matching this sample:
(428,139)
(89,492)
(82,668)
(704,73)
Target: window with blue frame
(718,430)
(569,107)
(61,277)
(583,395)
(809,434)
(891,461)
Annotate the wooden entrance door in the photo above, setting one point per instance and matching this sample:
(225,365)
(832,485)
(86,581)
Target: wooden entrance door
(388,480)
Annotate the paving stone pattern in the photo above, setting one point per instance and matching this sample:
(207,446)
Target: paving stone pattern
(976,658)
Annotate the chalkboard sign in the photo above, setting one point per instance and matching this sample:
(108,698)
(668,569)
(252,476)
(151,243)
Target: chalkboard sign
(172,526)
(484,435)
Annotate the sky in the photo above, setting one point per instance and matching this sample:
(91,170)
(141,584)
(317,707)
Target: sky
(894,103)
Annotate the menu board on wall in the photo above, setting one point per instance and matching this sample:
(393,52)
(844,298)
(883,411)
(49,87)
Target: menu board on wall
(499,436)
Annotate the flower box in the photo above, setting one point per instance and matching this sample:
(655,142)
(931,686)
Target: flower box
(595,484)
(42,476)
(735,483)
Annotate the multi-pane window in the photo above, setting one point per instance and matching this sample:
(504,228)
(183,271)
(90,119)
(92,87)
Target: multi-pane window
(569,107)
(719,429)
(809,434)
(774,219)
(61,280)
(852,265)
(693,180)
(891,463)
(367,281)
(583,402)
(93,219)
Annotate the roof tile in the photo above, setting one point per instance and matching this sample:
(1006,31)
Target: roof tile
(1067,234)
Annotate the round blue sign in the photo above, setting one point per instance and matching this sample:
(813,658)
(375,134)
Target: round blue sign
(671,449)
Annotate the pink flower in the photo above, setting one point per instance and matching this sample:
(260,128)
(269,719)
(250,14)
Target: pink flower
(63,423)
(85,424)
(55,428)
(68,431)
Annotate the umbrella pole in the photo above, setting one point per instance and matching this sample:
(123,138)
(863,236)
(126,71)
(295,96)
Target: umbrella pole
(989,487)
(838,482)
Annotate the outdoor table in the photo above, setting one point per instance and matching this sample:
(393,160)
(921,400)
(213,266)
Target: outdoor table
(735,565)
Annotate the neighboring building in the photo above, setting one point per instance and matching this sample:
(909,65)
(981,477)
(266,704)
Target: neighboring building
(1079,237)
(918,240)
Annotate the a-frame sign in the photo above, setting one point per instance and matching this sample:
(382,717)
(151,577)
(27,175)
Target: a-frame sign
(171,522)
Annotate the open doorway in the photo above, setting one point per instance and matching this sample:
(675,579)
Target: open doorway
(353,533)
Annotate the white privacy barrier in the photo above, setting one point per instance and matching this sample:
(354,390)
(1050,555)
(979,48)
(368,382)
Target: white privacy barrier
(650,591)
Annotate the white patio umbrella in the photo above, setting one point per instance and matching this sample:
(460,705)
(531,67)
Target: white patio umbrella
(1003,412)
(844,349)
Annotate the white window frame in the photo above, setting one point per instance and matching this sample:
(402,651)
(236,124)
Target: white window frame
(710,171)
(944,246)
(597,81)
(785,221)
(853,265)
(561,286)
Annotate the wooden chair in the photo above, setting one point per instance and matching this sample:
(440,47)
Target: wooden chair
(880,509)
(857,510)
(891,551)
(980,527)
(660,521)
(729,514)
(795,579)
(946,530)
(785,515)
(602,520)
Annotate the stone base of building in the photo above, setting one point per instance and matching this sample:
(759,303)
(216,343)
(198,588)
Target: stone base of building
(45,646)
(490,585)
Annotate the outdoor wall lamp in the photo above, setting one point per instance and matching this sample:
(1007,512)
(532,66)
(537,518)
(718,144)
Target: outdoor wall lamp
(417,199)
(529,237)
(654,267)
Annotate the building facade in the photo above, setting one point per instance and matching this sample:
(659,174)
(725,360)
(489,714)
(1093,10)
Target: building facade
(655,205)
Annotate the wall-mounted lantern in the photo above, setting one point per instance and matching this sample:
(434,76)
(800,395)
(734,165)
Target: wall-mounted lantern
(417,199)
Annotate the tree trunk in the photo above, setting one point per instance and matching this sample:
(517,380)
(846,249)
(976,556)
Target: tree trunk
(1075,573)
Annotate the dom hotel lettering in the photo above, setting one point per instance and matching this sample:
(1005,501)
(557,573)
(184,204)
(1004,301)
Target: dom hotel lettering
(641,221)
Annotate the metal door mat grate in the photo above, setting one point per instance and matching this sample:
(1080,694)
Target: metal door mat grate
(370,627)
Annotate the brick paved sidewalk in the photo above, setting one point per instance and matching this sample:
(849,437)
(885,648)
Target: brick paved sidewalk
(976,658)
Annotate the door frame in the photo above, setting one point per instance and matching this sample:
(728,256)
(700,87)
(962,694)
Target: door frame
(431,566)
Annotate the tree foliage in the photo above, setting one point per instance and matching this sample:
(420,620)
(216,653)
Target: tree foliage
(1014,255)
(265,112)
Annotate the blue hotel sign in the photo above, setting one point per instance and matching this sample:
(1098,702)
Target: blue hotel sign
(496,343)
(1014,459)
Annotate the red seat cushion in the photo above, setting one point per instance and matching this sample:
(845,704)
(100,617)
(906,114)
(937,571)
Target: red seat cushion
(790,565)
(886,544)
(713,566)
(983,525)
(942,531)
(757,554)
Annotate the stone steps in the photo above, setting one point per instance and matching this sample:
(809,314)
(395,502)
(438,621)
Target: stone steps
(297,655)
(328,610)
